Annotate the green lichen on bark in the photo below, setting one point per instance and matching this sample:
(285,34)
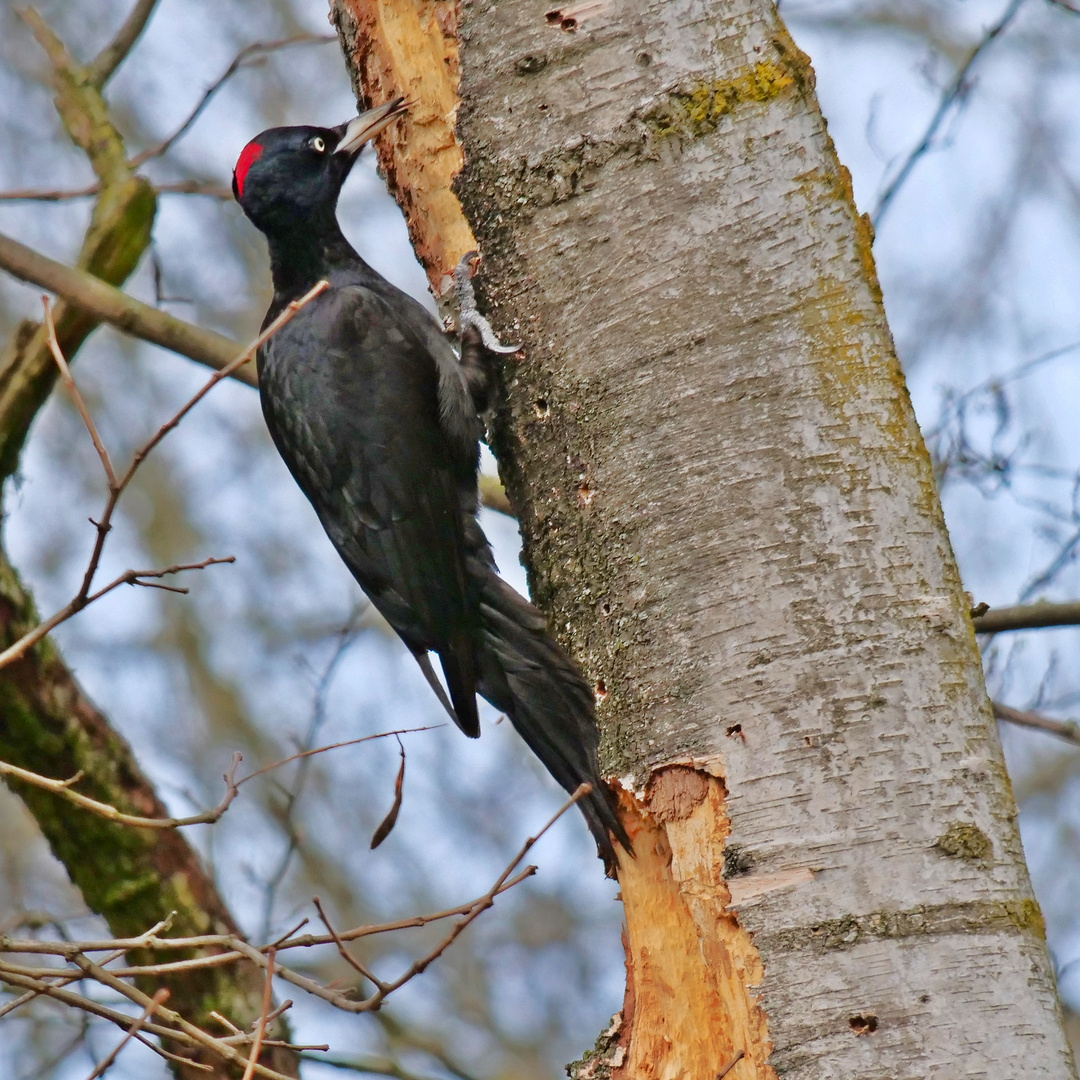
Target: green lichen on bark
(698,110)
(962,840)
(986,916)
(604,1058)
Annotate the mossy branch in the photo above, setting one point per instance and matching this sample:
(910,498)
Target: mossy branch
(117,238)
(133,878)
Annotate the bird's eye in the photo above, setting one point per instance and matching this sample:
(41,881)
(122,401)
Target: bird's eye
(318,145)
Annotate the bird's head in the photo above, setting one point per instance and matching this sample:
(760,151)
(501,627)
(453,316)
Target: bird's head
(292,175)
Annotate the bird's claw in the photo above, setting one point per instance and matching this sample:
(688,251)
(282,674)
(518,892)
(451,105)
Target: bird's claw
(468,315)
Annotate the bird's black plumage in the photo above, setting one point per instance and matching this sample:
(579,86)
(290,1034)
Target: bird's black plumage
(372,412)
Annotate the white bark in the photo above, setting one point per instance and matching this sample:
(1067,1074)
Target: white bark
(727,503)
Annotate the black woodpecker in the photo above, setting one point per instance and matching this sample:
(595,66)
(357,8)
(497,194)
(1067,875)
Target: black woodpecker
(377,420)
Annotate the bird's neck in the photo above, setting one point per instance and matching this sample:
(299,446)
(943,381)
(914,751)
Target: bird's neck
(303,253)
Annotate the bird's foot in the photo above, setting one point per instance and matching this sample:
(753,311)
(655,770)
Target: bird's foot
(468,315)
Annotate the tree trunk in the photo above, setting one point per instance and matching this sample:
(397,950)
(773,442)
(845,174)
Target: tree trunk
(730,515)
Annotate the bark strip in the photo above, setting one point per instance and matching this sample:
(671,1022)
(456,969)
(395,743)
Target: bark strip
(692,969)
(409,48)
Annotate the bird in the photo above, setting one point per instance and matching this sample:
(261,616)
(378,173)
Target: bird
(378,420)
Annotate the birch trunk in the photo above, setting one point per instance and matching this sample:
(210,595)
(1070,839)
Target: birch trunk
(730,515)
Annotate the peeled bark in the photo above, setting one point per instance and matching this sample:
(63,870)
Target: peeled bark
(730,515)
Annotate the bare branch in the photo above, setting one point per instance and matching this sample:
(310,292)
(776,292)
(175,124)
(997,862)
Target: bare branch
(48,195)
(107,1062)
(80,404)
(481,905)
(113,306)
(1027,617)
(243,59)
(366,1066)
(175,187)
(195,187)
(245,357)
(114,54)
(220,950)
(79,1001)
(342,949)
(63,788)
(1069,730)
(260,1029)
(217,1046)
(117,487)
(955,90)
(493,495)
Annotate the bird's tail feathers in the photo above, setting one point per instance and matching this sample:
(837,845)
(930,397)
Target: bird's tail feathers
(459,666)
(527,675)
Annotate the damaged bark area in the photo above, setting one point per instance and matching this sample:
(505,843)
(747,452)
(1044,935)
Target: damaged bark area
(691,968)
(731,520)
(396,49)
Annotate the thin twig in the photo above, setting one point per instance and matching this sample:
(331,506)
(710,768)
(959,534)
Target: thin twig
(336,746)
(41,980)
(241,60)
(110,813)
(45,981)
(953,92)
(117,487)
(86,1004)
(285,317)
(480,906)
(1069,730)
(260,1029)
(63,788)
(731,1065)
(218,1046)
(172,187)
(80,404)
(73,607)
(151,942)
(397,1033)
(113,55)
(272,882)
(342,949)
(367,1066)
(107,1062)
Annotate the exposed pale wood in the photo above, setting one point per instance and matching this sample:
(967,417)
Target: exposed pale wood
(729,512)
(692,969)
(410,49)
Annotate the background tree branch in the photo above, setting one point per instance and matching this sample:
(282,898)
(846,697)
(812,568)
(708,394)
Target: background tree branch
(1027,617)
(134,879)
(106,303)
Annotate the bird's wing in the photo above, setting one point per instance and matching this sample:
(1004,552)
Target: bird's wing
(351,397)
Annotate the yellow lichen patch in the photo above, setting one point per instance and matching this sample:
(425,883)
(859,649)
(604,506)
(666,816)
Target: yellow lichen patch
(409,48)
(698,111)
(690,965)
